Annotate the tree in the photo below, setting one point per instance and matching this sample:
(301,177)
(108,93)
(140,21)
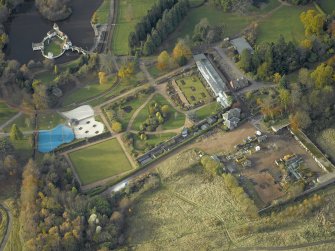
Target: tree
(300,119)
(200,30)
(181,53)
(11,165)
(276,78)
(284,96)
(56,70)
(163,60)
(323,75)
(149,46)
(165,110)
(41,98)
(94,19)
(313,22)
(126,70)
(246,61)
(116,126)
(102,77)
(15,133)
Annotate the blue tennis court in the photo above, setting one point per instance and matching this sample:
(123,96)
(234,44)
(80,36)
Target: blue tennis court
(48,140)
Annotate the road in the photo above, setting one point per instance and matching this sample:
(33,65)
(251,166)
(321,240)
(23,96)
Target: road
(8,229)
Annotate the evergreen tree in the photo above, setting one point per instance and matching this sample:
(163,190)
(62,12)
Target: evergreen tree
(149,46)
(15,133)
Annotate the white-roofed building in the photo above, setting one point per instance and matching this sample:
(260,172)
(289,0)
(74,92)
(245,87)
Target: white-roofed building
(83,123)
(213,79)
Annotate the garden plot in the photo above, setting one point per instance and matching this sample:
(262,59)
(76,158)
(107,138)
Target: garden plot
(194,90)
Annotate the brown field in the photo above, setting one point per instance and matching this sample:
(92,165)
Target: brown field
(263,171)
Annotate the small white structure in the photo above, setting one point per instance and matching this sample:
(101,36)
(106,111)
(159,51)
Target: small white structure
(83,123)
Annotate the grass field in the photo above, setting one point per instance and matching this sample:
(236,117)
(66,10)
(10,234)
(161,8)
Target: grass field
(207,110)
(191,209)
(175,120)
(193,89)
(100,161)
(286,22)
(6,112)
(129,13)
(89,91)
(233,23)
(326,141)
(327,6)
(103,12)
(50,120)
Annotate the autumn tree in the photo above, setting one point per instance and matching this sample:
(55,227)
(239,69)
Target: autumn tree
(181,53)
(102,77)
(116,126)
(300,119)
(94,19)
(313,22)
(323,75)
(163,60)
(126,70)
(284,97)
(276,78)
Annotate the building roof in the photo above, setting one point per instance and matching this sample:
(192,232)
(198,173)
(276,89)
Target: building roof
(241,44)
(79,113)
(213,79)
(235,112)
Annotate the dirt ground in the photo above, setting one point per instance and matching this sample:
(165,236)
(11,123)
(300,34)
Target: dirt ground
(263,172)
(225,142)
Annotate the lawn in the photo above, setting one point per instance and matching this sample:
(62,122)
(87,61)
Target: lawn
(286,22)
(6,112)
(152,141)
(24,122)
(155,72)
(129,14)
(193,89)
(100,161)
(55,46)
(45,77)
(327,6)
(123,112)
(174,121)
(50,120)
(89,91)
(233,23)
(103,12)
(207,110)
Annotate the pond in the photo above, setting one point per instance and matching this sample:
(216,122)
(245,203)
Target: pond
(27,26)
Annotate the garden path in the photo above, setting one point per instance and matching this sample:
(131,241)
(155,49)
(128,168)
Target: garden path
(131,121)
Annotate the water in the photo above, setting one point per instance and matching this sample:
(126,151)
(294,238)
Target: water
(27,26)
(48,140)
